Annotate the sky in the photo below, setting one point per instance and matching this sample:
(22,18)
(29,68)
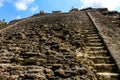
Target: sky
(17,9)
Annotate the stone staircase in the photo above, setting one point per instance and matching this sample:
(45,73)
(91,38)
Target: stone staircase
(106,68)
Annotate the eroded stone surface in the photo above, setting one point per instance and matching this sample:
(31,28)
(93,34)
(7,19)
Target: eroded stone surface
(44,48)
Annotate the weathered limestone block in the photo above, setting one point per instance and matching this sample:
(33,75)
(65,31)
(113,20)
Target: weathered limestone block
(30,61)
(61,73)
(49,74)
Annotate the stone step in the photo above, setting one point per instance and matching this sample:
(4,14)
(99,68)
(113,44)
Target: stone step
(107,76)
(94,40)
(96,47)
(88,28)
(92,32)
(93,37)
(100,59)
(88,32)
(99,53)
(94,44)
(105,67)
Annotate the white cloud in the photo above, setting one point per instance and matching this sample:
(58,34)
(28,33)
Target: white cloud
(1,3)
(34,9)
(110,4)
(23,4)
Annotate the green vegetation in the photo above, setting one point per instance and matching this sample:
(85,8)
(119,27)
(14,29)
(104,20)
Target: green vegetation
(3,23)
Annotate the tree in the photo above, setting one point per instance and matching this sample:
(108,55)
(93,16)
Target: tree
(3,23)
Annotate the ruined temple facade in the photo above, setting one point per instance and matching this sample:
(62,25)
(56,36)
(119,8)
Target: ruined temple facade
(76,45)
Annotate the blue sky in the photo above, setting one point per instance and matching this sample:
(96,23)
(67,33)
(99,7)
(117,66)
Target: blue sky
(16,9)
